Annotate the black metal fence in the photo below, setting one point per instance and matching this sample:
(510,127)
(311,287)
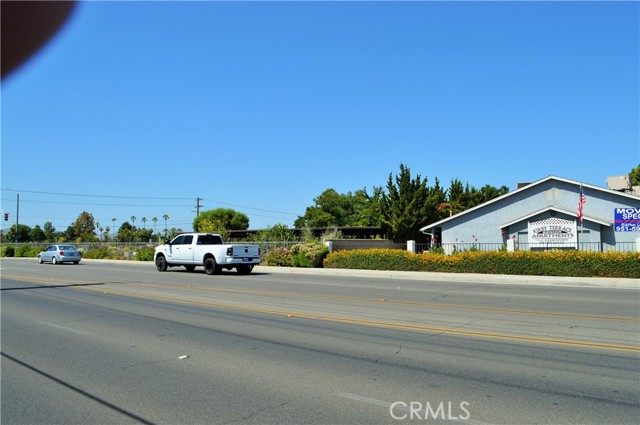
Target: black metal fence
(351,244)
(581,246)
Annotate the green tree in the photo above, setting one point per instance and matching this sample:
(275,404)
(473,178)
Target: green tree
(457,197)
(406,206)
(83,228)
(276,233)
(165,217)
(230,219)
(462,197)
(437,196)
(173,232)
(213,226)
(23,233)
(489,192)
(142,235)
(635,176)
(366,210)
(49,232)
(37,234)
(126,232)
(330,209)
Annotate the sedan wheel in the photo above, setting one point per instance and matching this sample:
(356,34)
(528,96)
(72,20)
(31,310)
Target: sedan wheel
(40,260)
(54,260)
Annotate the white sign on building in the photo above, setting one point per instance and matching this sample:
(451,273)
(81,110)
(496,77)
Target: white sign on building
(553,232)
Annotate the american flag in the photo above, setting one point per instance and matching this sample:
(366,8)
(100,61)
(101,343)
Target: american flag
(581,202)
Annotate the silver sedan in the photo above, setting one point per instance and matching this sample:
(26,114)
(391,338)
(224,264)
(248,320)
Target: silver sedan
(57,254)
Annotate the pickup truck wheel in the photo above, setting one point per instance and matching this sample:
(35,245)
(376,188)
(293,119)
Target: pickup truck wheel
(211,267)
(244,269)
(161,263)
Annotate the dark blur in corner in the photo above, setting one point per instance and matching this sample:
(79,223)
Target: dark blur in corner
(27,26)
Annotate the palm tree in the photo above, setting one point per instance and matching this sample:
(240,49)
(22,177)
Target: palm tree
(133,221)
(144,221)
(106,232)
(165,217)
(155,220)
(114,228)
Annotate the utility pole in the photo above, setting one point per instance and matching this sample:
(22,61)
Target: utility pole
(198,206)
(17,214)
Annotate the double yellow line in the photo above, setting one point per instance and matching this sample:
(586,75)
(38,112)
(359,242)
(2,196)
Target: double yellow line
(354,321)
(378,300)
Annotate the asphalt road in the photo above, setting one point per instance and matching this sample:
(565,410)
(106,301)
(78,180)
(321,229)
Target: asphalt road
(113,342)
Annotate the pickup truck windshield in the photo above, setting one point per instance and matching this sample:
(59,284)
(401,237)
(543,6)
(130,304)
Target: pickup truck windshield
(209,240)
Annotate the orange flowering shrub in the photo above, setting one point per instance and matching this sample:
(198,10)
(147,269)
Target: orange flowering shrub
(540,263)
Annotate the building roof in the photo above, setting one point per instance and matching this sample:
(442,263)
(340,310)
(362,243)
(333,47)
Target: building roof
(527,187)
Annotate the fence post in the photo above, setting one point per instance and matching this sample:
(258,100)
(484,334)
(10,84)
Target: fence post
(329,245)
(411,246)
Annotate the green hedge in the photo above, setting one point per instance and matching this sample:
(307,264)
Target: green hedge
(96,251)
(21,250)
(146,253)
(8,251)
(28,250)
(552,263)
(103,253)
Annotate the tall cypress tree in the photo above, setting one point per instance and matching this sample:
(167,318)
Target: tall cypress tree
(407,206)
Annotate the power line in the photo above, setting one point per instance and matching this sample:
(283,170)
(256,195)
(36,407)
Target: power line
(97,204)
(92,195)
(250,208)
(143,197)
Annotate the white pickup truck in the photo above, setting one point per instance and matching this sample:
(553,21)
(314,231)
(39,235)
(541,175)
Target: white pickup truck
(208,250)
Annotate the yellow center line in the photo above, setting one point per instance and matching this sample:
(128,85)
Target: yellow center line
(387,301)
(344,298)
(402,326)
(348,320)
(376,323)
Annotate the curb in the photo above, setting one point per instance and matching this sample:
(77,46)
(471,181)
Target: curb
(556,281)
(584,282)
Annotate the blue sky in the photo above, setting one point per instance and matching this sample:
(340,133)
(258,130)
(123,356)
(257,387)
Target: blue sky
(137,108)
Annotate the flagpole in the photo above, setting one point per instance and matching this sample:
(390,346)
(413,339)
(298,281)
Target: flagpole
(580,214)
(580,233)
(581,221)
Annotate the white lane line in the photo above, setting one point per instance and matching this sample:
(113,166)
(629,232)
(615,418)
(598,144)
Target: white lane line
(365,399)
(64,328)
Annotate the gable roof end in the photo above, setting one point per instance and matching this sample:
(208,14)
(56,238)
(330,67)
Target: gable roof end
(560,210)
(528,187)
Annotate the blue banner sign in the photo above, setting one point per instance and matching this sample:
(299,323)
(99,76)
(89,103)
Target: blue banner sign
(626,219)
